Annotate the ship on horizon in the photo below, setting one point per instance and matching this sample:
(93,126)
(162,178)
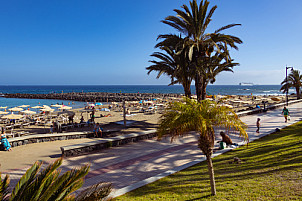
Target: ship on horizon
(246,84)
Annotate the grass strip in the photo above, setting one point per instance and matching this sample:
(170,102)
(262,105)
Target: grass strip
(271,169)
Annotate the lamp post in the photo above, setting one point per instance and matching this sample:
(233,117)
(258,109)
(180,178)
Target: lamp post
(287,67)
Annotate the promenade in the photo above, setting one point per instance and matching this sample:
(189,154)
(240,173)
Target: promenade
(133,165)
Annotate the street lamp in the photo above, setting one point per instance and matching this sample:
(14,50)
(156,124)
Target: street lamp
(292,68)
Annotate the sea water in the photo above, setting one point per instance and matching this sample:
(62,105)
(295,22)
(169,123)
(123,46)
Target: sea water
(211,90)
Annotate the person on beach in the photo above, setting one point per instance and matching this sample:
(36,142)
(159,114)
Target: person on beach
(97,130)
(92,116)
(51,129)
(285,112)
(258,125)
(5,143)
(58,127)
(82,119)
(227,139)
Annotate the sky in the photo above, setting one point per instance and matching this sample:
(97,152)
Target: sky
(98,42)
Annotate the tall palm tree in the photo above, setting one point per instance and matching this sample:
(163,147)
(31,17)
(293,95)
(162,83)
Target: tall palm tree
(193,24)
(202,117)
(172,63)
(48,184)
(294,79)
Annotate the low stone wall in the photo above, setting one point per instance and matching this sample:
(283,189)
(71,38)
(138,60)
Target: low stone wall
(29,139)
(79,149)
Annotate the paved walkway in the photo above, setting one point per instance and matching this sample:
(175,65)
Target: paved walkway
(133,165)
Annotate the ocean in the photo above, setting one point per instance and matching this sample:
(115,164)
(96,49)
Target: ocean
(211,89)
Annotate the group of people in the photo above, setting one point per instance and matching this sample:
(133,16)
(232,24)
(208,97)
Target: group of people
(285,113)
(227,140)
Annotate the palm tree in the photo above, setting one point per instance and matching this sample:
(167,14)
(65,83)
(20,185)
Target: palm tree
(294,79)
(172,63)
(48,184)
(180,118)
(193,24)
(214,65)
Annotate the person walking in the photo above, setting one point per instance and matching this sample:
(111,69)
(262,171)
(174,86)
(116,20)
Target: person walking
(285,112)
(258,125)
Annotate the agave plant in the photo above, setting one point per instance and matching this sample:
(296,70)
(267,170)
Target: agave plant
(49,184)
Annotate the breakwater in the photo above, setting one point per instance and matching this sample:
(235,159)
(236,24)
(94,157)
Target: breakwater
(94,96)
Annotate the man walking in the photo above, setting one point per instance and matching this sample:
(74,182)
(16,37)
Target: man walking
(258,125)
(285,112)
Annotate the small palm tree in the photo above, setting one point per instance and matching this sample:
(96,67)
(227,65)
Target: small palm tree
(294,79)
(214,65)
(48,184)
(180,118)
(172,63)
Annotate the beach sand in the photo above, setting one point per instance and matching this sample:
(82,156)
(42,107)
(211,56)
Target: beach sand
(139,121)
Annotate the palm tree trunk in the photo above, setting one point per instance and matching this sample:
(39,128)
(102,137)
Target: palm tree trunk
(187,88)
(298,92)
(211,174)
(204,90)
(198,86)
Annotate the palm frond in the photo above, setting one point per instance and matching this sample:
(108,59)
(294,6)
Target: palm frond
(25,181)
(4,184)
(98,191)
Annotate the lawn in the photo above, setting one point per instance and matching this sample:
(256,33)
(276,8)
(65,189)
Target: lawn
(271,169)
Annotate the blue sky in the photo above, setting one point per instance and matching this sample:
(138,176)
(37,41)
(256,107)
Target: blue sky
(102,42)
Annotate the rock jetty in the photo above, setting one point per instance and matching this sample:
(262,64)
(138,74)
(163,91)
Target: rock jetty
(95,96)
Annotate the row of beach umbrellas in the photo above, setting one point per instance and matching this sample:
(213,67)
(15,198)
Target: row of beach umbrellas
(44,108)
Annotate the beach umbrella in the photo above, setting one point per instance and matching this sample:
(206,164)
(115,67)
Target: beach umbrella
(28,112)
(37,107)
(3,107)
(46,106)
(12,116)
(65,107)
(24,106)
(1,112)
(91,105)
(15,109)
(47,110)
(56,105)
(99,104)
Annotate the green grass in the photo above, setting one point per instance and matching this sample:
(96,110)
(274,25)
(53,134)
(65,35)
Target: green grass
(272,170)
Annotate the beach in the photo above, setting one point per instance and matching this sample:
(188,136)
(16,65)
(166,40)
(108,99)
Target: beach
(142,115)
